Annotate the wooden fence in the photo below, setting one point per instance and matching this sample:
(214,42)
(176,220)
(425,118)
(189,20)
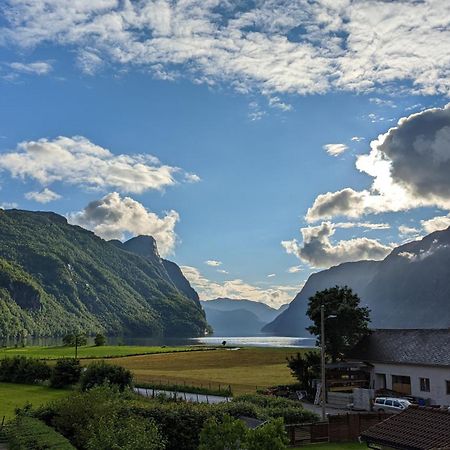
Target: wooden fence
(338,428)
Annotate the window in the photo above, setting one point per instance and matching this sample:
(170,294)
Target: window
(448,387)
(388,403)
(424,384)
(397,404)
(401,384)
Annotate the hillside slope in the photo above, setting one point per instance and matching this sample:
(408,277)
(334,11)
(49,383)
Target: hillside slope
(410,288)
(56,277)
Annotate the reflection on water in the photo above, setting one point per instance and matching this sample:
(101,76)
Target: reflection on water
(259,341)
(247,341)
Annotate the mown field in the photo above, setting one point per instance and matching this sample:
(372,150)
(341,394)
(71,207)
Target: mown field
(14,396)
(244,370)
(107,351)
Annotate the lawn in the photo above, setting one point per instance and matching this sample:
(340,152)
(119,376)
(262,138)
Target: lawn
(13,396)
(244,369)
(107,351)
(344,446)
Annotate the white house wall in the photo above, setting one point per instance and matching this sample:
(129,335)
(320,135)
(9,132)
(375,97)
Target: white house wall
(438,377)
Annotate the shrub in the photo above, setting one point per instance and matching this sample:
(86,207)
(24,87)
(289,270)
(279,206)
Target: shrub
(270,436)
(229,434)
(100,373)
(28,433)
(65,373)
(99,340)
(125,433)
(20,369)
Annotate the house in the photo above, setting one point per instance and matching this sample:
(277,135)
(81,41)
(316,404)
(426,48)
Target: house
(410,362)
(416,428)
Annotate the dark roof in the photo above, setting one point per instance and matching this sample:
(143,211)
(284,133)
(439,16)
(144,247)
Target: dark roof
(421,347)
(252,423)
(416,428)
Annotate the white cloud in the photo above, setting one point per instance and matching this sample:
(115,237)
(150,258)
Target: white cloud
(335,149)
(368,225)
(275,46)
(436,223)
(78,161)
(44,196)
(405,230)
(238,289)
(9,205)
(223,271)
(271,275)
(213,263)
(318,250)
(34,68)
(295,269)
(113,217)
(357,139)
(409,165)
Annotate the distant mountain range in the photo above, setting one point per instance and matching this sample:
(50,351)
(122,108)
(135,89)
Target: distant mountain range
(56,278)
(229,317)
(410,288)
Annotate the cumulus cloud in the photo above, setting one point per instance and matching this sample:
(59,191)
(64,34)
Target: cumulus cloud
(436,223)
(115,217)
(9,205)
(295,269)
(335,149)
(44,196)
(34,68)
(213,263)
(238,289)
(274,46)
(78,161)
(318,250)
(409,165)
(405,230)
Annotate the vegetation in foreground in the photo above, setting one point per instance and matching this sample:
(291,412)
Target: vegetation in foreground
(244,370)
(93,352)
(332,446)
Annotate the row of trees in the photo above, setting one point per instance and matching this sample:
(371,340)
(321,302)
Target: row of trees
(80,339)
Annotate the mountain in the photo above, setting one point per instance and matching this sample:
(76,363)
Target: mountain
(237,317)
(410,288)
(56,277)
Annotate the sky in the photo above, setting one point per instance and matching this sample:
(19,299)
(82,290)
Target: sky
(257,141)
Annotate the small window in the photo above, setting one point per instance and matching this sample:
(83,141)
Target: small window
(424,384)
(448,387)
(379,401)
(388,403)
(397,404)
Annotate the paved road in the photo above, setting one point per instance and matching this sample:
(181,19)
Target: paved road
(195,398)
(328,410)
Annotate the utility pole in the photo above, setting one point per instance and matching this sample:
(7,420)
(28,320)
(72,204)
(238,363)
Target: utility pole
(76,346)
(322,358)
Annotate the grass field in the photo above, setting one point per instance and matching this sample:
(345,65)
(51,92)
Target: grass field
(243,369)
(13,396)
(107,351)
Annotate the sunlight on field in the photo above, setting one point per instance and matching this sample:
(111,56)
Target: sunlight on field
(245,369)
(14,396)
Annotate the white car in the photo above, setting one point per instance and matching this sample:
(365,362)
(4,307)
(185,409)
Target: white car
(390,404)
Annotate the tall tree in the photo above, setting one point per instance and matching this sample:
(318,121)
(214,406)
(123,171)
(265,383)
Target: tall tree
(305,367)
(349,326)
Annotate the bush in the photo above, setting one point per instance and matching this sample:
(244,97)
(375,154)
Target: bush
(27,433)
(270,436)
(65,373)
(99,340)
(20,369)
(229,434)
(100,373)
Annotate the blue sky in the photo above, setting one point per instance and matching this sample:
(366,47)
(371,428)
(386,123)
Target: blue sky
(238,105)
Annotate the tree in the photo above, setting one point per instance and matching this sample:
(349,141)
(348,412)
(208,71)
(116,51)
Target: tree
(100,373)
(305,367)
(229,434)
(270,436)
(99,340)
(70,340)
(65,373)
(349,326)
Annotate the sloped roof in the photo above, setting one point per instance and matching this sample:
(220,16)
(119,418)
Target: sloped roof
(421,347)
(416,428)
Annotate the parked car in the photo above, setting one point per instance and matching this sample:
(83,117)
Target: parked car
(390,404)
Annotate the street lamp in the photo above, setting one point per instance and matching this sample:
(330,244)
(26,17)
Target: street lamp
(322,355)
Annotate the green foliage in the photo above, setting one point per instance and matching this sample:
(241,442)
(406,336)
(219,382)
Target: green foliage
(124,433)
(100,373)
(66,372)
(228,434)
(232,434)
(350,325)
(226,392)
(20,369)
(75,339)
(305,367)
(99,340)
(27,433)
(56,277)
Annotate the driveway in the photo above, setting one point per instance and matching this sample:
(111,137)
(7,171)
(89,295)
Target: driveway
(328,409)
